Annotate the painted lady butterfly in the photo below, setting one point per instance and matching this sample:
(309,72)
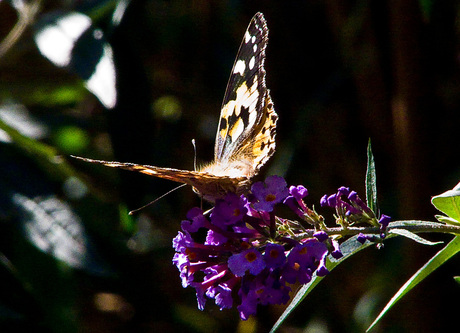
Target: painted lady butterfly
(245,137)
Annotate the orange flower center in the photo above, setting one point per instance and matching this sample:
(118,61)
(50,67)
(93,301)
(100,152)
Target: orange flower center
(251,256)
(274,254)
(303,251)
(270,197)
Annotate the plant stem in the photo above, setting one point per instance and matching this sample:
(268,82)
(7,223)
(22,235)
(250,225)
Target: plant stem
(414,226)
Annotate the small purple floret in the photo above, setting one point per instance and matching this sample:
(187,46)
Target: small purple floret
(274,190)
(228,211)
(321,235)
(274,255)
(250,260)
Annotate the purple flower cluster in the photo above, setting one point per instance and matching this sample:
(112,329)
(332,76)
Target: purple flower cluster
(250,256)
(349,207)
(245,260)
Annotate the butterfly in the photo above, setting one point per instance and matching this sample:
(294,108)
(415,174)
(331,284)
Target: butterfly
(245,138)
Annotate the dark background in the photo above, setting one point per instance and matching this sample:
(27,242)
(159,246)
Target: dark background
(340,72)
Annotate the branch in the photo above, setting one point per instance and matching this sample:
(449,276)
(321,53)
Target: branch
(26,17)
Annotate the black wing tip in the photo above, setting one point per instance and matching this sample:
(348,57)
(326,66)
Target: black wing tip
(260,18)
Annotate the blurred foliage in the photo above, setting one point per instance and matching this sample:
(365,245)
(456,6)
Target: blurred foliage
(340,72)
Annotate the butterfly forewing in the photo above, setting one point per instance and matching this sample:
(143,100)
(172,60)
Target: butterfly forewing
(246,102)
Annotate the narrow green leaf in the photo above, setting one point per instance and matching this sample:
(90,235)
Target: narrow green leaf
(447,220)
(408,234)
(371,182)
(441,257)
(449,203)
(348,248)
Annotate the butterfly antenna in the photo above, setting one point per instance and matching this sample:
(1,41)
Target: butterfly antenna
(194,166)
(194,150)
(152,202)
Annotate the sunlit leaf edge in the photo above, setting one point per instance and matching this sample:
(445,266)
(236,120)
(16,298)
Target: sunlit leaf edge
(449,202)
(441,257)
(349,248)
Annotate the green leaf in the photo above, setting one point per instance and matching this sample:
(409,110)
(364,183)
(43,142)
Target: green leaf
(46,156)
(371,182)
(449,203)
(348,248)
(408,234)
(447,220)
(441,257)
(71,139)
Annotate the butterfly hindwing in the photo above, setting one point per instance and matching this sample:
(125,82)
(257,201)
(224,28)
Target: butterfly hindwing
(247,103)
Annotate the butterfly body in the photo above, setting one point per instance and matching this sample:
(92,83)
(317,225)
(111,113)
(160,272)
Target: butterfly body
(245,138)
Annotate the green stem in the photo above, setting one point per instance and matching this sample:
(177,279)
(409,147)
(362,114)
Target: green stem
(414,226)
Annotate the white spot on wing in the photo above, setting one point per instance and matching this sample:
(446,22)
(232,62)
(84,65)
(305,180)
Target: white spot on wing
(251,63)
(247,36)
(254,48)
(240,66)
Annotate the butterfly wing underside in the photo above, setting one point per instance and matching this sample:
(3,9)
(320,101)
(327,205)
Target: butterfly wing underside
(247,125)
(204,183)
